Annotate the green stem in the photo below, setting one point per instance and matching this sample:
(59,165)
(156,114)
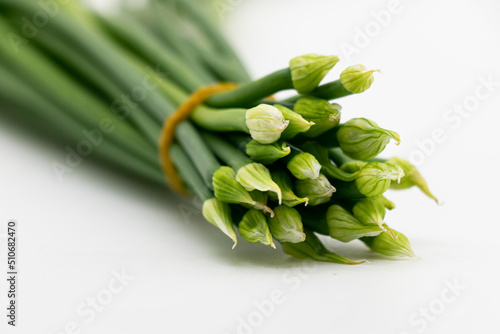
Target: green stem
(168,22)
(189,174)
(346,190)
(329,139)
(338,157)
(220,120)
(251,93)
(200,18)
(135,39)
(226,152)
(69,96)
(225,120)
(21,98)
(330,91)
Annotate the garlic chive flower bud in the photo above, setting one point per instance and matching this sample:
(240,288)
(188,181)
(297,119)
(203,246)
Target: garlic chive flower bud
(345,227)
(323,114)
(412,177)
(308,71)
(304,166)
(388,245)
(356,79)
(218,214)
(284,181)
(376,177)
(286,225)
(317,190)
(228,190)
(360,138)
(253,228)
(297,124)
(267,153)
(312,248)
(255,176)
(265,123)
(370,211)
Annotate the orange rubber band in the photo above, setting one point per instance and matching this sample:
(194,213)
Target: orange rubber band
(168,131)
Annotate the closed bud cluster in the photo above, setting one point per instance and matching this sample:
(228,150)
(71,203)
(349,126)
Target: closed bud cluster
(360,138)
(307,71)
(253,228)
(265,123)
(304,166)
(218,214)
(345,227)
(286,225)
(317,190)
(323,114)
(356,79)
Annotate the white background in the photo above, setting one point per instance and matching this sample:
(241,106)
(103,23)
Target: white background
(186,278)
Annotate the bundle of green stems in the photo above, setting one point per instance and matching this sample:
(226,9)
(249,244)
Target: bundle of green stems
(275,171)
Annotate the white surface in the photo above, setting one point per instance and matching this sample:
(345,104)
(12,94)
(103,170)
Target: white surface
(74,234)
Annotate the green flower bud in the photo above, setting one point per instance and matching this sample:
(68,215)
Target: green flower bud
(253,228)
(297,123)
(265,123)
(218,214)
(286,225)
(357,78)
(370,211)
(412,177)
(323,114)
(362,139)
(304,166)
(313,249)
(376,177)
(345,227)
(267,153)
(388,245)
(284,181)
(308,71)
(256,176)
(317,190)
(228,190)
